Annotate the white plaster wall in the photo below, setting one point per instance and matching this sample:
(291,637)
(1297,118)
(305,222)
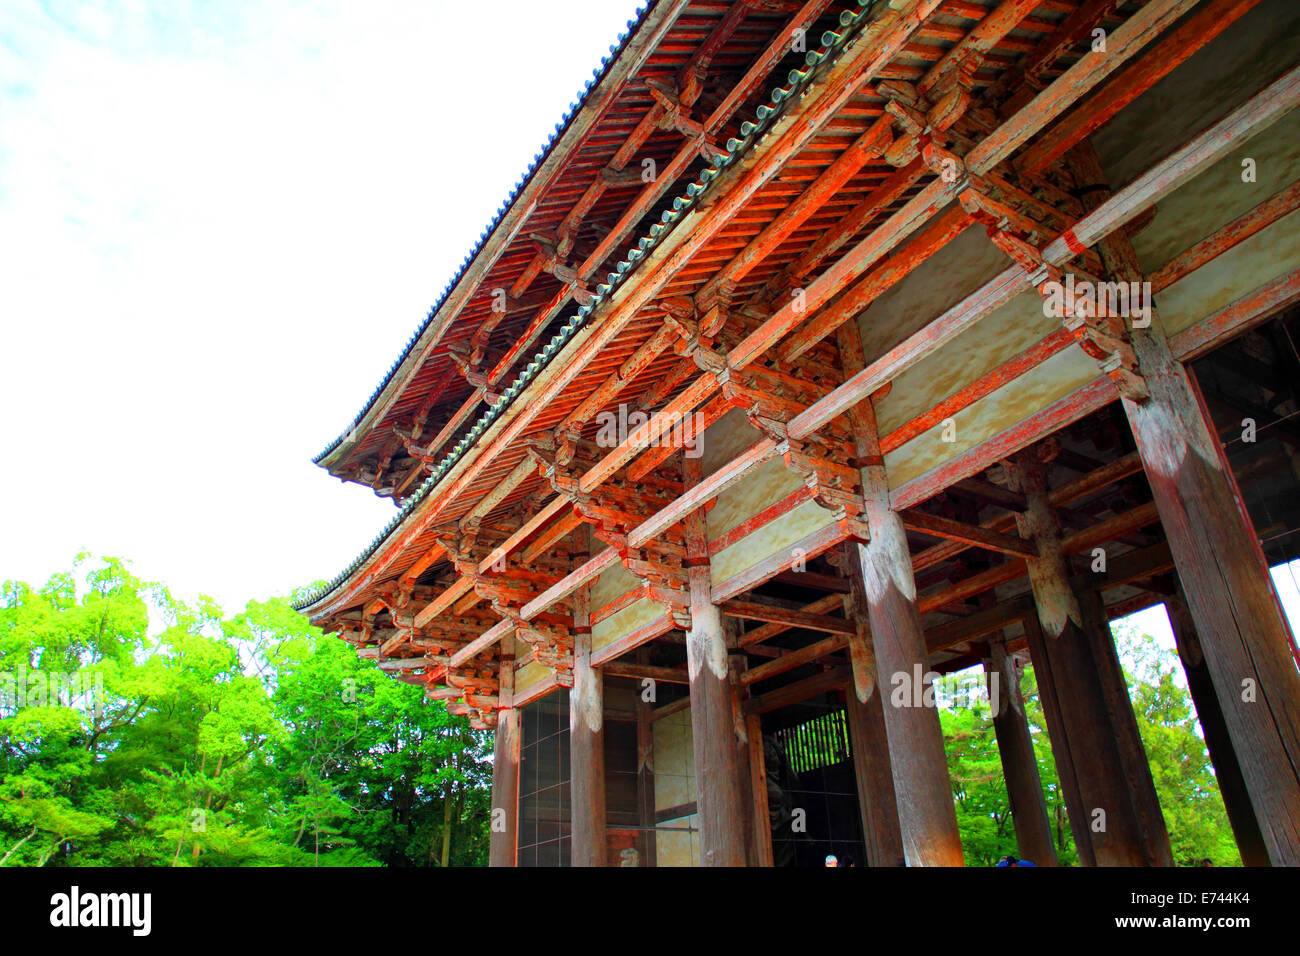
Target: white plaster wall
(530,675)
(765,485)
(1230,69)
(635,615)
(1060,375)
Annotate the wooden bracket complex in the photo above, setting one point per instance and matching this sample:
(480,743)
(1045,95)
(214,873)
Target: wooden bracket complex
(1090,316)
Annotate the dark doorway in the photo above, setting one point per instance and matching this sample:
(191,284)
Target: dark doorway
(812,792)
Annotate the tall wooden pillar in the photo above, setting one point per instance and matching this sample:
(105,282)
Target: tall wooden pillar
(645,782)
(926,817)
(1019,765)
(877,803)
(503,843)
(1114,812)
(737,664)
(717,770)
(1247,643)
(586,743)
(1227,768)
(763,855)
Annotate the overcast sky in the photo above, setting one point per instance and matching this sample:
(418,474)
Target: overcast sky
(219,225)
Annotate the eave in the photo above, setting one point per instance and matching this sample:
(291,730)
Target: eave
(436,497)
(630,52)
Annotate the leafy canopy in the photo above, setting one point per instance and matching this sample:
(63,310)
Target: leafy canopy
(138,730)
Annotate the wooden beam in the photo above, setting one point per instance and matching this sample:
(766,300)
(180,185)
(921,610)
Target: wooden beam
(981,624)
(768,631)
(973,535)
(1227,237)
(635,671)
(846,165)
(1191,35)
(755,611)
(1256,114)
(809,547)
(1240,315)
(789,660)
(834,679)
(1121,45)
(1163,178)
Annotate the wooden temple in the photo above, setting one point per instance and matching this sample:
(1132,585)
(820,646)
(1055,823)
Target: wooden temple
(830,346)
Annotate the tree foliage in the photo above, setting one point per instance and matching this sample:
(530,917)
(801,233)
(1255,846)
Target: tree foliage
(1180,763)
(138,730)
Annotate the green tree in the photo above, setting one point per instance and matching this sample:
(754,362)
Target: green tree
(1180,762)
(186,738)
(1184,778)
(405,777)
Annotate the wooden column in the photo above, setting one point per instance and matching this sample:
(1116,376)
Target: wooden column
(1227,768)
(758,785)
(503,842)
(717,773)
(1019,765)
(1114,813)
(645,772)
(586,741)
(877,803)
(926,817)
(737,664)
(1248,646)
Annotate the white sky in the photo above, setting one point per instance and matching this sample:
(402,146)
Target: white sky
(219,224)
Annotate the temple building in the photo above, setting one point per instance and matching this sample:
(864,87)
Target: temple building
(830,346)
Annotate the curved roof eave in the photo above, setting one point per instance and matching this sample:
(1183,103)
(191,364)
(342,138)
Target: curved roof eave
(553,150)
(753,132)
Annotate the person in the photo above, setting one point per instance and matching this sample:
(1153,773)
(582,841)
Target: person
(1013,861)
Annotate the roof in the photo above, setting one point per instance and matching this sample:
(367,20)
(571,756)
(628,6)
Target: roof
(598,75)
(752,131)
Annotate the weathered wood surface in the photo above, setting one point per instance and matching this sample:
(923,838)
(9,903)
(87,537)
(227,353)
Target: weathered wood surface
(1019,765)
(1248,646)
(877,802)
(503,843)
(1102,767)
(758,787)
(927,819)
(717,773)
(586,742)
(1209,712)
